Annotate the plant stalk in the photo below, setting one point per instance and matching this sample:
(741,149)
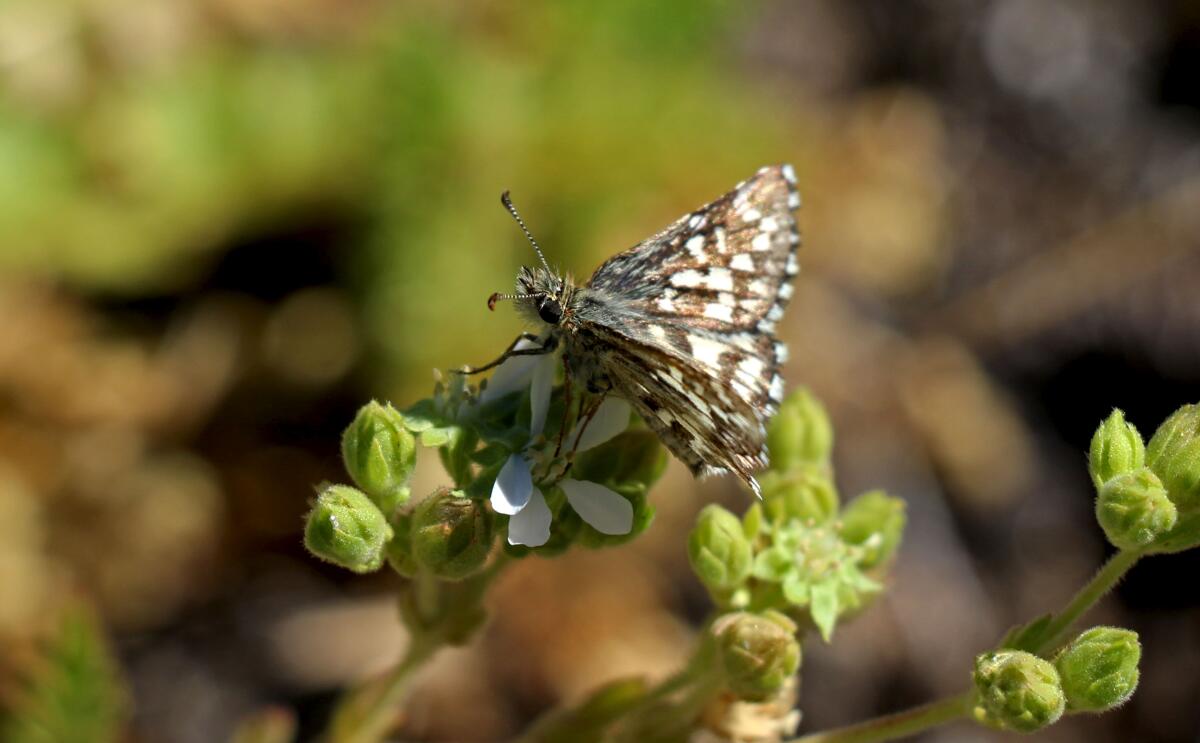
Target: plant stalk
(1104,581)
(897,725)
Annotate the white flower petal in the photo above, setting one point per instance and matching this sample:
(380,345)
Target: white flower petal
(511,375)
(531,527)
(513,486)
(539,393)
(604,509)
(611,419)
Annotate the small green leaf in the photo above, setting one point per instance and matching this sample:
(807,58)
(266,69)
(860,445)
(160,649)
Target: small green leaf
(422,416)
(1029,636)
(492,455)
(796,590)
(441,436)
(772,564)
(824,608)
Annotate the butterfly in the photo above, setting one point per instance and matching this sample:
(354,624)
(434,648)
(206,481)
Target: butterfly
(682,325)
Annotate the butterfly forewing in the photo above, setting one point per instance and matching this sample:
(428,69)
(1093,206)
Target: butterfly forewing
(683,324)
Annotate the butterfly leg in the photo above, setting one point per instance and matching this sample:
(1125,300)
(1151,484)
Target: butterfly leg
(587,420)
(511,351)
(562,427)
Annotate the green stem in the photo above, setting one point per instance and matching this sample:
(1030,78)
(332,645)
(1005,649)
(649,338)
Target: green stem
(368,713)
(898,725)
(1055,633)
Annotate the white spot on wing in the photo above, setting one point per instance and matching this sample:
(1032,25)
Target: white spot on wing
(658,331)
(742,262)
(715,311)
(793,200)
(768,224)
(785,291)
(761,242)
(775,313)
(751,366)
(719,234)
(793,265)
(781,353)
(706,350)
(689,278)
(776,391)
(666,305)
(789,173)
(751,215)
(695,246)
(760,287)
(720,279)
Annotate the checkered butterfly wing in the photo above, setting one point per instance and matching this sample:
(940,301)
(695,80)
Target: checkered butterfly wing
(689,320)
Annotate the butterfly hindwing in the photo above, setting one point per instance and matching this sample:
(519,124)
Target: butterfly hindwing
(683,324)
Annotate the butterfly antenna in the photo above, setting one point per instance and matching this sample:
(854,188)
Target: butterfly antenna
(498,296)
(513,211)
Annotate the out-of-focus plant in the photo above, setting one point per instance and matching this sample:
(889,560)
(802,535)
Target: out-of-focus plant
(72,689)
(533,478)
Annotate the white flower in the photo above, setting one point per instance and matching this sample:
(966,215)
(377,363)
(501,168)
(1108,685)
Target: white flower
(514,493)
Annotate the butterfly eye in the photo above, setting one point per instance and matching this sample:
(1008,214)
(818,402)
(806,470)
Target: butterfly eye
(550,311)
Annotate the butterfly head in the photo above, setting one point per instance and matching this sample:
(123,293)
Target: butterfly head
(541,293)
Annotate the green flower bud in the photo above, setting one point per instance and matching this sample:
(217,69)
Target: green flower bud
(803,494)
(718,549)
(758,653)
(380,454)
(1017,691)
(1174,455)
(1117,448)
(346,528)
(1134,510)
(1099,669)
(874,522)
(800,433)
(451,535)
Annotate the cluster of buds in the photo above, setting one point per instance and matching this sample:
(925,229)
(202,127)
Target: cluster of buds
(499,445)
(799,553)
(1148,495)
(1019,691)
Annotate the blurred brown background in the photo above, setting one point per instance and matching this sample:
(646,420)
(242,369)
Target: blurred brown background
(224,224)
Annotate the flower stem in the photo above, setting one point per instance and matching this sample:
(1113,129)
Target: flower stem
(1104,581)
(898,725)
(367,713)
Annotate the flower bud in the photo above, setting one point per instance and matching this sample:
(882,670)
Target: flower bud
(1174,455)
(718,549)
(1134,510)
(802,494)
(874,522)
(1016,690)
(1099,669)
(346,528)
(758,653)
(451,534)
(380,454)
(800,433)
(1117,448)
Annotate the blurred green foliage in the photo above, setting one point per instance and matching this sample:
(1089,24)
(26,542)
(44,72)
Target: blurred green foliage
(606,119)
(72,691)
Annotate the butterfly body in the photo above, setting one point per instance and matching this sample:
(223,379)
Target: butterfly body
(683,324)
